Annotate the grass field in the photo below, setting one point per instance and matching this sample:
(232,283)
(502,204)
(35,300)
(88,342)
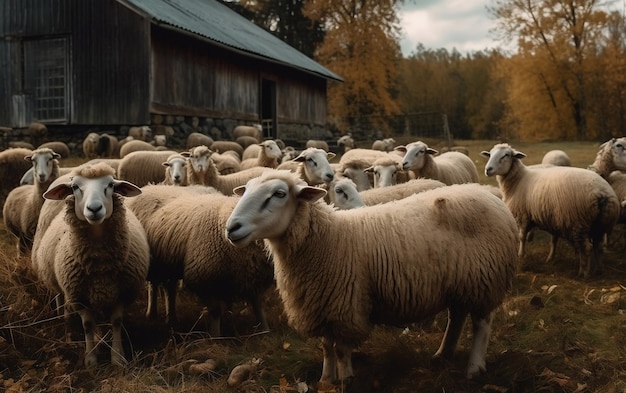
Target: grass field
(554,333)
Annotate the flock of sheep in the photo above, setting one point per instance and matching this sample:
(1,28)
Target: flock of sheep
(232,219)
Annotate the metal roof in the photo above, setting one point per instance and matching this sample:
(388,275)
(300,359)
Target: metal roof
(217,22)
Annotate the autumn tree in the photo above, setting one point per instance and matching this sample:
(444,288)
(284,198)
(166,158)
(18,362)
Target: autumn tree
(551,76)
(361,45)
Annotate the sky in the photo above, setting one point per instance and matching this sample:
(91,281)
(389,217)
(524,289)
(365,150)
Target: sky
(449,24)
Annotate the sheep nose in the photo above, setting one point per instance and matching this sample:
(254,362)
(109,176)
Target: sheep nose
(94,207)
(177,177)
(488,171)
(330,176)
(232,228)
(405,165)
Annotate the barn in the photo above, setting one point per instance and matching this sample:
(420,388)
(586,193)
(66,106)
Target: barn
(191,65)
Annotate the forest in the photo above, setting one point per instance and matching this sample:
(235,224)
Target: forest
(565,81)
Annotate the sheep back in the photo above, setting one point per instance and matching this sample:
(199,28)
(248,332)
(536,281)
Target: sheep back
(143,167)
(135,145)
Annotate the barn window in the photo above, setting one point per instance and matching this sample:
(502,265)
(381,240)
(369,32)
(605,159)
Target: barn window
(46,78)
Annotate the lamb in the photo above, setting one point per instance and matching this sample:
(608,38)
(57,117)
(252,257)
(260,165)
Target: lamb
(224,146)
(202,170)
(175,170)
(269,156)
(255,131)
(196,139)
(186,237)
(385,145)
(135,145)
(59,147)
(451,167)
(12,168)
(23,204)
(143,167)
(312,166)
(316,143)
(377,279)
(142,133)
(94,252)
(556,157)
(568,202)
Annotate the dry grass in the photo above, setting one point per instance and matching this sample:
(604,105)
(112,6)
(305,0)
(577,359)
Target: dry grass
(554,333)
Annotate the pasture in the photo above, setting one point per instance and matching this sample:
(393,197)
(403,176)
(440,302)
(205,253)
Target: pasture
(554,333)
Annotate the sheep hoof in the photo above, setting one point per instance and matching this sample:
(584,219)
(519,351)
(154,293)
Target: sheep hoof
(91,361)
(474,370)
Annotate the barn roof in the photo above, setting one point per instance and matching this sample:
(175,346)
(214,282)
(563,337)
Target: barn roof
(216,22)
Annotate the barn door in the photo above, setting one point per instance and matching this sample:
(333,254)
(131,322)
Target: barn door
(268,108)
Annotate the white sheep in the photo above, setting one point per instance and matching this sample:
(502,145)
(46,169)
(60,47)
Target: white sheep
(59,147)
(556,157)
(135,145)
(94,252)
(246,141)
(255,131)
(568,202)
(611,156)
(196,139)
(385,145)
(175,170)
(12,169)
(451,167)
(23,204)
(224,146)
(90,145)
(107,146)
(141,133)
(386,171)
(340,272)
(317,143)
(143,167)
(347,142)
(202,170)
(186,237)
(227,162)
(354,162)
(269,156)
(159,141)
(312,166)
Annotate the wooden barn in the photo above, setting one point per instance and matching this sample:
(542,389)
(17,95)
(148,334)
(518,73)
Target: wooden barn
(107,64)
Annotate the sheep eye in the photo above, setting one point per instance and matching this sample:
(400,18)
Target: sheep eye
(280,194)
(312,161)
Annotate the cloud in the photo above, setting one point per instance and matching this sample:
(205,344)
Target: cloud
(460,24)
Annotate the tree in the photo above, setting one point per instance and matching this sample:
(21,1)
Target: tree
(361,45)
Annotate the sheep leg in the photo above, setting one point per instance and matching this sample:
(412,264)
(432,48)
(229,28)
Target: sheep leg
(329,367)
(522,234)
(553,241)
(117,350)
(343,353)
(481,330)
(456,320)
(259,312)
(584,263)
(151,307)
(171,288)
(89,326)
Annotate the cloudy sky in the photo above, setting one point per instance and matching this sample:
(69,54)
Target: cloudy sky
(460,24)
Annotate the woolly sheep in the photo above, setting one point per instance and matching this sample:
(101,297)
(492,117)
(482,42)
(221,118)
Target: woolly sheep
(196,139)
(142,133)
(23,204)
(121,143)
(113,162)
(107,145)
(21,144)
(61,148)
(94,253)
(611,156)
(571,202)
(312,166)
(387,171)
(202,170)
(377,279)
(353,163)
(224,146)
(135,145)
(90,144)
(556,157)
(255,131)
(143,167)
(347,142)
(246,141)
(385,145)
(269,156)
(460,149)
(289,153)
(186,237)
(319,144)
(227,162)
(251,151)
(12,168)
(159,140)
(175,170)
(451,167)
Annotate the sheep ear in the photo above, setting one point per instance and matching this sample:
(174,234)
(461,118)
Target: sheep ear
(185,154)
(300,158)
(56,155)
(310,194)
(330,155)
(485,153)
(400,148)
(369,169)
(239,190)
(519,155)
(165,163)
(125,188)
(28,157)
(432,151)
(58,192)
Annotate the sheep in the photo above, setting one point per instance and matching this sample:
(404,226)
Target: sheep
(246,141)
(387,171)
(385,145)
(202,170)
(224,146)
(94,253)
(251,151)
(227,162)
(196,139)
(568,202)
(312,166)
(23,204)
(611,156)
(121,143)
(186,237)
(353,163)
(107,145)
(255,131)
(143,167)
(175,170)
(289,153)
(451,167)
(343,193)
(319,144)
(347,142)
(113,162)
(21,144)
(468,266)
(12,168)
(90,143)
(269,156)
(142,133)
(59,147)
(556,157)
(135,145)
(37,130)
(460,149)
(159,141)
